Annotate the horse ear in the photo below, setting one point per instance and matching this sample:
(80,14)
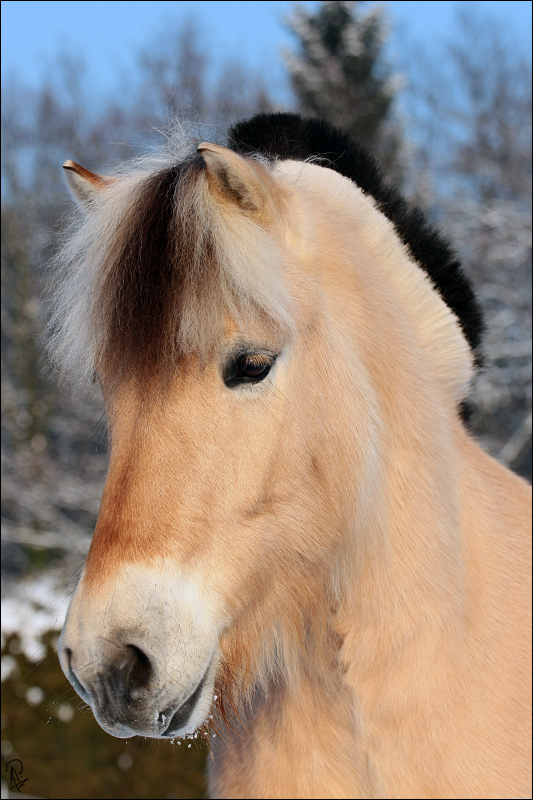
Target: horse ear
(84,185)
(235,178)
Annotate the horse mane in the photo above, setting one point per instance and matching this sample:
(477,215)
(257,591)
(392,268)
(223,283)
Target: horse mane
(289,136)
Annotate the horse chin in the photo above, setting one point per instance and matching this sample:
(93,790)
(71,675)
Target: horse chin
(194,712)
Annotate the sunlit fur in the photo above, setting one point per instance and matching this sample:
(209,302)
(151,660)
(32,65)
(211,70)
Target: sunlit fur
(331,541)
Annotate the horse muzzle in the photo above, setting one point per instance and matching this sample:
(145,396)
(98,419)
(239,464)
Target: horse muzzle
(152,678)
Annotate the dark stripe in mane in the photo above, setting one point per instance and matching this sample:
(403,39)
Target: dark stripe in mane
(148,276)
(289,136)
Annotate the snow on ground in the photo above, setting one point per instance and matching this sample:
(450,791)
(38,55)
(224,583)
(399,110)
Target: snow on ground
(30,608)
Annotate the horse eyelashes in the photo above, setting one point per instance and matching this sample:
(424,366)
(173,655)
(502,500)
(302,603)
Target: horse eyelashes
(248,368)
(254,366)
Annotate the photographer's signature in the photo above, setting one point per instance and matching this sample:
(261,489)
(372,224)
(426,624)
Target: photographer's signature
(14,767)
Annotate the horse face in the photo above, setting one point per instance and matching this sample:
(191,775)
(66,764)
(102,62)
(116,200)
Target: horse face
(210,538)
(209,523)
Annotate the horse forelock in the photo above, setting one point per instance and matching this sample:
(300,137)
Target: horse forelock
(156,259)
(150,276)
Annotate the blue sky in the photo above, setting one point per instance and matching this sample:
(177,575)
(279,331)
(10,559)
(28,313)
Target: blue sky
(107,35)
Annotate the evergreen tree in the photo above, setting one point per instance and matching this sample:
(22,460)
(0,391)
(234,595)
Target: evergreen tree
(339,74)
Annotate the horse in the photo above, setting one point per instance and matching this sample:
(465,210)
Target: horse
(301,550)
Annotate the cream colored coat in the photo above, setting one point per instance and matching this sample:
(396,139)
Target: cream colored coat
(330,549)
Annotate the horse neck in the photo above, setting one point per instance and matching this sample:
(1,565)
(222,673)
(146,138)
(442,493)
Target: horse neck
(403,567)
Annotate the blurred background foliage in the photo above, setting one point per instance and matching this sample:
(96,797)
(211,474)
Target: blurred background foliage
(452,129)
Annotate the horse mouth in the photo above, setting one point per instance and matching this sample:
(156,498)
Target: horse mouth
(181,717)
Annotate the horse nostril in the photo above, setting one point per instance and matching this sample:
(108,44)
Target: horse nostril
(139,670)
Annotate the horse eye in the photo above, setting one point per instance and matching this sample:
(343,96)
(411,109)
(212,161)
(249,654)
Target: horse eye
(255,367)
(248,368)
